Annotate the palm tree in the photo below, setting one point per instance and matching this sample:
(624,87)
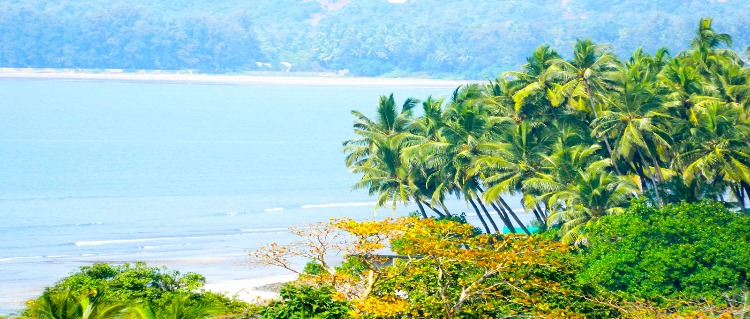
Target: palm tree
(178,307)
(515,159)
(637,122)
(719,150)
(465,135)
(69,305)
(378,154)
(594,194)
(530,86)
(705,51)
(587,78)
(389,121)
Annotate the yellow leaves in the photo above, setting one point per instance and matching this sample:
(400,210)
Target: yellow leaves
(380,307)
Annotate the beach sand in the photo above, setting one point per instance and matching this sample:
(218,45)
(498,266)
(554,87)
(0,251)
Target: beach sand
(252,289)
(183,77)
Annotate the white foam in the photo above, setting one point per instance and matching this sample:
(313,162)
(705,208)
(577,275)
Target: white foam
(339,205)
(263,230)
(22,257)
(274,209)
(120,241)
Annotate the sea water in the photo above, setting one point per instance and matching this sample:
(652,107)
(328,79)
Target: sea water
(183,175)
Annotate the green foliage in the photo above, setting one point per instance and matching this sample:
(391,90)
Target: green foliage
(306,302)
(130,282)
(313,267)
(163,292)
(691,251)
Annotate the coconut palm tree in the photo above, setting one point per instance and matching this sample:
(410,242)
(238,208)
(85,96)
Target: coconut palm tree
(377,154)
(595,193)
(587,79)
(705,51)
(719,150)
(69,305)
(513,160)
(389,121)
(466,133)
(530,86)
(637,122)
(178,307)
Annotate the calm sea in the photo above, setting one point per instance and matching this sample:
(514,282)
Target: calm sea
(186,176)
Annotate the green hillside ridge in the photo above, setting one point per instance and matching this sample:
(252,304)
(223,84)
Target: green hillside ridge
(443,39)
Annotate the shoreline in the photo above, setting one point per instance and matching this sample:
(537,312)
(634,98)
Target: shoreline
(250,290)
(184,77)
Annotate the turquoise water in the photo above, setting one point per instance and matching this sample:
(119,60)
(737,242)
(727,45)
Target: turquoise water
(187,176)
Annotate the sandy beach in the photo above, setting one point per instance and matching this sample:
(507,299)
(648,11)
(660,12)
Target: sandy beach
(251,289)
(186,77)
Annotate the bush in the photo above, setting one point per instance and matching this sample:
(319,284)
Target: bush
(134,285)
(303,301)
(688,251)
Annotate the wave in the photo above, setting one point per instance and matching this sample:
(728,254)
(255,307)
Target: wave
(20,257)
(122,241)
(274,209)
(140,240)
(263,230)
(48,226)
(338,205)
(161,246)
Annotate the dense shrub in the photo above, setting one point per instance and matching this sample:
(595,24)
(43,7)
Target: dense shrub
(298,302)
(688,251)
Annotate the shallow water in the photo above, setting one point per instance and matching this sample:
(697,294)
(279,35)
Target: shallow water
(187,176)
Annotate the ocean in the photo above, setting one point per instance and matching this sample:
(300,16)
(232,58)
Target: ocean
(188,176)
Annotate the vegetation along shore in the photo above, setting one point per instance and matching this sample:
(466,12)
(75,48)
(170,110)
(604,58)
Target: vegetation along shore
(636,171)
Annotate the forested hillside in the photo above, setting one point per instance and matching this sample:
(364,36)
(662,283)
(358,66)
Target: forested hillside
(446,38)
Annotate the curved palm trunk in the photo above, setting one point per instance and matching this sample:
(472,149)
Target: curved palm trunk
(542,213)
(537,215)
(445,209)
(738,193)
(746,187)
(592,103)
(476,209)
(513,214)
(504,217)
(433,209)
(421,209)
(486,213)
(654,182)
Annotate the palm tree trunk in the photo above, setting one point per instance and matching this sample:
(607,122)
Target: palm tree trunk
(445,209)
(421,209)
(433,209)
(486,213)
(746,187)
(542,212)
(513,214)
(592,102)
(536,215)
(654,182)
(504,217)
(476,209)
(737,190)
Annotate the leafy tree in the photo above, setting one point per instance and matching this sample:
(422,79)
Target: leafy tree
(683,251)
(129,284)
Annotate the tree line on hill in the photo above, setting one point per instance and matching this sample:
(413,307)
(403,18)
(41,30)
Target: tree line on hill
(455,39)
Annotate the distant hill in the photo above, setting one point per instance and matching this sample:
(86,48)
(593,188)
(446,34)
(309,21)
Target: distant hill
(432,38)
